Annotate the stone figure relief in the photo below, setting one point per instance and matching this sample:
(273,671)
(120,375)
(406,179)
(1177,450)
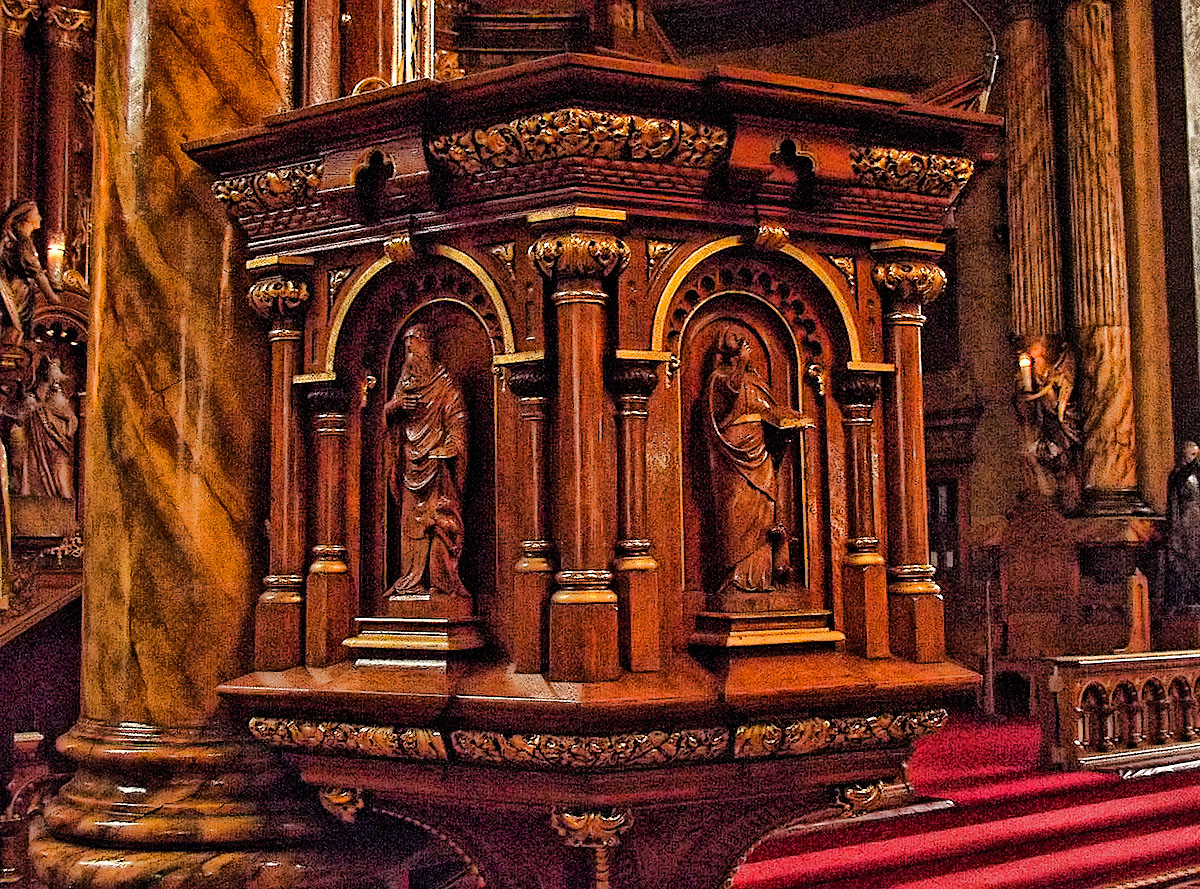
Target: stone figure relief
(1048,407)
(748,435)
(22,276)
(1181,584)
(42,463)
(427,425)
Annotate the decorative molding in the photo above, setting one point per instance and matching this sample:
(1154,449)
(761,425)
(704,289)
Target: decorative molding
(582,133)
(343,803)
(771,236)
(505,256)
(341,737)
(657,253)
(67,26)
(816,734)
(908,280)
(579,255)
(277,296)
(17,14)
(653,748)
(893,169)
(846,265)
(270,190)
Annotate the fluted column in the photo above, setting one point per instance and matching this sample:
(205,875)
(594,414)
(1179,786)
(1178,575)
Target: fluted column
(533,578)
(1099,277)
(634,380)
(281,296)
(1034,244)
(583,609)
(864,576)
(17,81)
(907,276)
(329,603)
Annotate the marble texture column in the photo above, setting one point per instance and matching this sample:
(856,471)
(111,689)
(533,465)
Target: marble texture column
(168,791)
(1034,243)
(583,608)
(1099,275)
(907,276)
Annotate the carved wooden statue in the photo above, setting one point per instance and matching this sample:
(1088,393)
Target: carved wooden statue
(50,423)
(1050,417)
(748,434)
(427,418)
(21,271)
(1182,581)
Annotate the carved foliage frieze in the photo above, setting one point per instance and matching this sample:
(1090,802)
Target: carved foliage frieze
(341,737)
(893,169)
(652,748)
(762,740)
(580,133)
(270,190)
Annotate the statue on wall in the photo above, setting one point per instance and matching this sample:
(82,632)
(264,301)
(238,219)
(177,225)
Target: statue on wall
(1049,413)
(427,424)
(21,273)
(44,449)
(748,433)
(1181,587)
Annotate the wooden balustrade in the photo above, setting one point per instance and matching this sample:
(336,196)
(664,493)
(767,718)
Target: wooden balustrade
(1127,713)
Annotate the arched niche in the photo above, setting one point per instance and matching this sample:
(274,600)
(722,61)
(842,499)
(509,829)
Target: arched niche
(459,314)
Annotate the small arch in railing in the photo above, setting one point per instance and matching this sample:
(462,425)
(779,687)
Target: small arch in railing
(1156,712)
(1127,715)
(1182,709)
(1093,718)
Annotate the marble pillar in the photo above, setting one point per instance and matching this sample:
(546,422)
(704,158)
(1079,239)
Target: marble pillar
(1035,251)
(907,276)
(1099,273)
(168,791)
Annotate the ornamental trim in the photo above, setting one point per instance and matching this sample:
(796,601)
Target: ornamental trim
(342,737)
(894,169)
(270,190)
(632,750)
(580,133)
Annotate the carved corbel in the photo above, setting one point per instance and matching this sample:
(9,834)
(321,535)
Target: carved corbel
(579,255)
(771,236)
(599,831)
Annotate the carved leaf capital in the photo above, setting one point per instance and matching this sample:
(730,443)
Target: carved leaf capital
(278,297)
(17,14)
(909,280)
(586,255)
(858,389)
(69,24)
(591,830)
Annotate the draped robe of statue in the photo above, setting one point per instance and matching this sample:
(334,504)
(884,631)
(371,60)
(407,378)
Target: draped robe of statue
(747,434)
(1182,581)
(50,438)
(429,467)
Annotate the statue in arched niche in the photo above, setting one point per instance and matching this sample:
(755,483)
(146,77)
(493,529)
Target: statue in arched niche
(427,425)
(748,433)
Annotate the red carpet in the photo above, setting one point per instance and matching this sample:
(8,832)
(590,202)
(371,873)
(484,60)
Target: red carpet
(1013,825)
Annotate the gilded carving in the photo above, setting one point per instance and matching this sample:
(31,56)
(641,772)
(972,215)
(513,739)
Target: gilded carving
(892,169)
(343,803)
(270,190)
(771,236)
(845,265)
(792,739)
(17,14)
(277,296)
(656,254)
(580,132)
(909,280)
(579,255)
(598,831)
(337,278)
(399,248)
(815,734)
(652,748)
(505,255)
(860,799)
(446,65)
(341,737)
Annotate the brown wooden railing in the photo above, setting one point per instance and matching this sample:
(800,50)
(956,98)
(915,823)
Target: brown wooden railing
(1124,713)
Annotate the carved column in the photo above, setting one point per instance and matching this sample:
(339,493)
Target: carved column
(583,610)
(634,379)
(1034,245)
(321,67)
(907,276)
(1099,278)
(534,572)
(281,296)
(17,81)
(68,36)
(864,577)
(329,604)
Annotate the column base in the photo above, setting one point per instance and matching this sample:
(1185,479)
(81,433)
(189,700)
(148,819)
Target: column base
(385,638)
(583,628)
(640,620)
(754,630)
(918,627)
(1114,502)
(533,581)
(328,613)
(865,606)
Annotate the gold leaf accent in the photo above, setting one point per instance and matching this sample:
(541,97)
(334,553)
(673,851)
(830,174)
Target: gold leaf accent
(343,803)
(399,248)
(591,830)
(270,190)
(656,253)
(579,255)
(505,255)
(645,749)
(762,740)
(342,737)
(277,296)
(845,265)
(771,236)
(906,280)
(894,169)
(580,132)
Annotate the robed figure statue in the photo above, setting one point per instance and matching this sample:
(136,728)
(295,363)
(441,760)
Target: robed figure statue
(1181,588)
(427,424)
(748,434)
(21,272)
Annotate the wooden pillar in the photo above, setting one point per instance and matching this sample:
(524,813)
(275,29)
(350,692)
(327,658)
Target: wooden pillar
(583,608)
(634,378)
(329,602)
(1099,276)
(18,77)
(864,576)
(281,296)
(533,578)
(1034,242)
(321,66)
(907,276)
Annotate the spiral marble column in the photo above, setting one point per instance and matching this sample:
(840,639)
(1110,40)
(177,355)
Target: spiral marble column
(1099,276)
(907,276)
(583,608)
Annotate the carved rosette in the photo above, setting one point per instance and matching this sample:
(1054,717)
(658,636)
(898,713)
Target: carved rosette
(15,15)
(580,133)
(579,255)
(69,27)
(893,169)
(270,190)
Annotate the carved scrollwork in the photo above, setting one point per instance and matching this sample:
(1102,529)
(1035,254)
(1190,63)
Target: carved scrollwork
(845,265)
(816,734)
(909,280)
(893,169)
(270,190)
(860,799)
(652,748)
(657,253)
(579,255)
(580,132)
(341,737)
(277,296)
(343,803)
(591,830)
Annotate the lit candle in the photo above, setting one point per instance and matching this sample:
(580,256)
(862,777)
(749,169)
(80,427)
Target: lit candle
(56,251)
(1026,364)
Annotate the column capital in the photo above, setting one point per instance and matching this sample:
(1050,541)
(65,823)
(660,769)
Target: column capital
(858,389)
(281,290)
(635,374)
(907,272)
(327,397)
(67,26)
(589,255)
(529,378)
(15,15)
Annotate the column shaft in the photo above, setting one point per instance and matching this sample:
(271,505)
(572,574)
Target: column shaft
(17,84)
